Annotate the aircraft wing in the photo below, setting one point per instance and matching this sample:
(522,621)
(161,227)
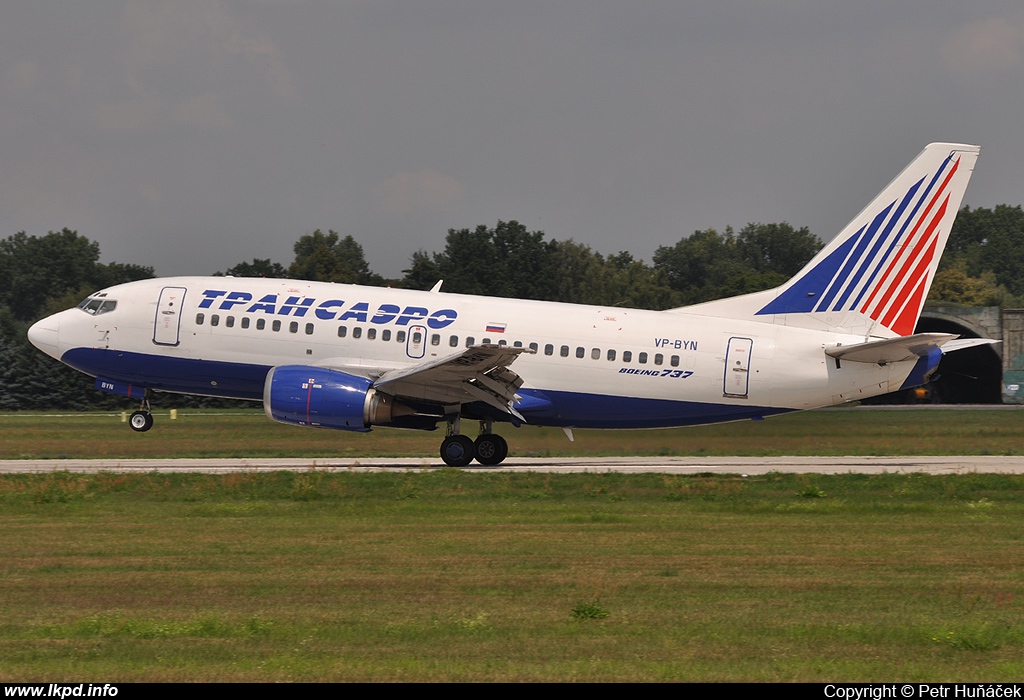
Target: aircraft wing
(479,373)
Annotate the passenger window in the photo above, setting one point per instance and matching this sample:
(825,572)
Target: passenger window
(517,344)
(580,352)
(674,360)
(453,341)
(611,355)
(293,327)
(470,341)
(309,329)
(245,321)
(533,346)
(275,326)
(417,338)
(595,354)
(502,343)
(199,319)
(435,339)
(627,356)
(261,324)
(229,321)
(357,332)
(642,358)
(564,351)
(385,335)
(549,349)
(658,359)
(400,336)
(486,341)
(214,320)
(342,331)
(371,333)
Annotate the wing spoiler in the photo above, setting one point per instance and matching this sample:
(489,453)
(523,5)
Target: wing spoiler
(479,373)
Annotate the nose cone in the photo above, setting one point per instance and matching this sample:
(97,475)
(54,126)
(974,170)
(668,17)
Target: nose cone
(43,334)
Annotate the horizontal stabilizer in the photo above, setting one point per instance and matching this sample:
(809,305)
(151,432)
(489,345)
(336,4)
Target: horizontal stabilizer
(964,343)
(897,349)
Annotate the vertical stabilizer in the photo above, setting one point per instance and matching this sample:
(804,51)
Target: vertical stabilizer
(874,276)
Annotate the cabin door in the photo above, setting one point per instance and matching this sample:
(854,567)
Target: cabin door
(737,367)
(167,325)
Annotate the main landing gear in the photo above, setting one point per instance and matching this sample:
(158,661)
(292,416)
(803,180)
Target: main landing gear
(458,450)
(142,420)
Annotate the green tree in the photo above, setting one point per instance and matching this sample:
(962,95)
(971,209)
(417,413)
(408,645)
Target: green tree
(505,261)
(989,240)
(954,286)
(510,261)
(40,275)
(330,258)
(259,267)
(34,269)
(776,248)
(710,265)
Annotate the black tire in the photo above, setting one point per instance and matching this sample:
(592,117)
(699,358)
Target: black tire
(141,421)
(490,449)
(457,450)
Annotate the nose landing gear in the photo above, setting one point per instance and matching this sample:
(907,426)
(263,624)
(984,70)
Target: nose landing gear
(142,420)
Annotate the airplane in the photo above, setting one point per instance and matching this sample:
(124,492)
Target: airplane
(349,357)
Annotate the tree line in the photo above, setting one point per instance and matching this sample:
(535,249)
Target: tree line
(983,265)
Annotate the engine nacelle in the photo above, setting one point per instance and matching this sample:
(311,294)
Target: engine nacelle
(322,398)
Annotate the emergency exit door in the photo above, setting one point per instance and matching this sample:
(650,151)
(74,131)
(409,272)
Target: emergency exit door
(416,344)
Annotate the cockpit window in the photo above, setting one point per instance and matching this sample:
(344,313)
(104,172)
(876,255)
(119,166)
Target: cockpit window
(95,306)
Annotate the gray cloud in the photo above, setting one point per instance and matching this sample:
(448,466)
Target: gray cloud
(194,134)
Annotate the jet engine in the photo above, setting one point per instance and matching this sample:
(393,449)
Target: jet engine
(327,398)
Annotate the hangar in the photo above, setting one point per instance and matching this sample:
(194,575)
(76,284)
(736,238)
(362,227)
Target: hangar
(987,374)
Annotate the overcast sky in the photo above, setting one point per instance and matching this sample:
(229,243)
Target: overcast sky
(191,135)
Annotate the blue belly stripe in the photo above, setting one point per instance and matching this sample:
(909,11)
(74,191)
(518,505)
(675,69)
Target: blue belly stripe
(236,380)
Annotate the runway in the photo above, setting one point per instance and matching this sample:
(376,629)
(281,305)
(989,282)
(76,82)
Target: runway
(667,465)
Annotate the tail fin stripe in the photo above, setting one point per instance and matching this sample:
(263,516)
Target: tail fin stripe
(901,307)
(892,256)
(885,282)
(833,284)
(901,243)
(849,275)
(904,325)
(872,257)
(902,282)
(802,297)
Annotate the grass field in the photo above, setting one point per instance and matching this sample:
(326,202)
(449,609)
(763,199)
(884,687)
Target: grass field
(250,434)
(445,575)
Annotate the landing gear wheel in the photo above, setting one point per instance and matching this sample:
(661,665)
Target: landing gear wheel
(490,449)
(141,421)
(457,450)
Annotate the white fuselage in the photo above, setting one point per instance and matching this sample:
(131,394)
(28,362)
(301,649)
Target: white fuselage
(598,366)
